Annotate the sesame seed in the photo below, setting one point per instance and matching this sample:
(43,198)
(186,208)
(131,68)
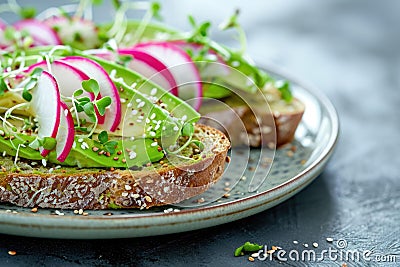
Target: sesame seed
(152,134)
(295,242)
(305,245)
(129,105)
(76,211)
(115,158)
(176,128)
(84,145)
(123,100)
(80,140)
(251,259)
(134,112)
(44,162)
(80,211)
(329,239)
(255,255)
(95,149)
(59,213)
(85,214)
(153,91)
(135,196)
(128,187)
(148,199)
(132,155)
(153,116)
(154,144)
(124,194)
(141,104)
(34,210)
(184,117)
(315,244)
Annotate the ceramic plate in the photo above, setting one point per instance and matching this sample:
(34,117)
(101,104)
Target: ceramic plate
(290,172)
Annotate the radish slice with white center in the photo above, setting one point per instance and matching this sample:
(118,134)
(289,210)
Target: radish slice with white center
(75,31)
(209,70)
(68,78)
(46,105)
(41,33)
(107,88)
(152,68)
(182,68)
(66,133)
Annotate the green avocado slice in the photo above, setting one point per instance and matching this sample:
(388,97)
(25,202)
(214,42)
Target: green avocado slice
(88,153)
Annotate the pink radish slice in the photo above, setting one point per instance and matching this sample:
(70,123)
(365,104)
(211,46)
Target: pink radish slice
(107,88)
(182,68)
(75,31)
(46,105)
(68,78)
(40,32)
(210,70)
(151,68)
(66,133)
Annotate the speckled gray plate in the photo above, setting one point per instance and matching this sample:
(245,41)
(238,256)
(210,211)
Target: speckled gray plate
(315,140)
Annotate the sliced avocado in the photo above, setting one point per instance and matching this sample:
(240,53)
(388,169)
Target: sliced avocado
(87,152)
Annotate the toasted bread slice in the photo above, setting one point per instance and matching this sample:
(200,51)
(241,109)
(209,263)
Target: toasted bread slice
(170,181)
(276,124)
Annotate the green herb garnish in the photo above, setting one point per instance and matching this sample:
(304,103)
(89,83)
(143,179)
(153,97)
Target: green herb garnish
(247,247)
(284,89)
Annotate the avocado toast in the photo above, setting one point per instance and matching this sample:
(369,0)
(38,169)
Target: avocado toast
(106,105)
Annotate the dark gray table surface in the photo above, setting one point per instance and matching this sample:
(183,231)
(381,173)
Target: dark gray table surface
(351,51)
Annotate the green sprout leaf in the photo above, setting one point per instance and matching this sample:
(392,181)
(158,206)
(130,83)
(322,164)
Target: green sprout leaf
(247,247)
(102,104)
(88,108)
(110,146)
(3,86)
(284,88)
(26,95)
(78,92)
(27,12)
(91,86)
(155,10)
(103,137)
(199,144)
(97,2)
(36,72)
(188,129)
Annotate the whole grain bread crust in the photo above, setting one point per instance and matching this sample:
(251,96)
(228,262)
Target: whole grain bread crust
(101,189)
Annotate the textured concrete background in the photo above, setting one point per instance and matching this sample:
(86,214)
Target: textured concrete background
(350,50)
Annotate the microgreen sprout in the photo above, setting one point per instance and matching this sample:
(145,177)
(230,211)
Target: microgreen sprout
(199,31)
(107,145)
(232,23)
(82,103)
(188,130)
(284,89)
(247,247)
(118,29)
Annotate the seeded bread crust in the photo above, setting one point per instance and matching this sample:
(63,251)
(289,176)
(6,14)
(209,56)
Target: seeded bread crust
(100,189)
